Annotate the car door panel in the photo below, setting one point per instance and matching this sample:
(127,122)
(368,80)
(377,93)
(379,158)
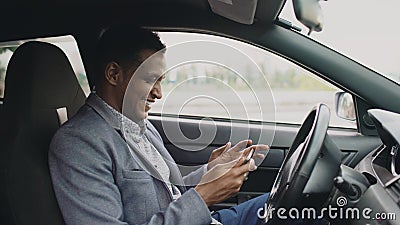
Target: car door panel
(186,151)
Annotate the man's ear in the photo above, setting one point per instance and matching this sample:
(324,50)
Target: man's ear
(113,73)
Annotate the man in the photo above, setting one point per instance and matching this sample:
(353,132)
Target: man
(108,163)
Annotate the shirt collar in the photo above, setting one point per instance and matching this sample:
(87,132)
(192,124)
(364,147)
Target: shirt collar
(116,119)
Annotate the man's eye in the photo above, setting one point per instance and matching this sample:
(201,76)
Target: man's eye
(151,80)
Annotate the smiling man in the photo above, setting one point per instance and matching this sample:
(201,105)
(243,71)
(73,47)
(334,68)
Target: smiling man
(144,87)
(109,165)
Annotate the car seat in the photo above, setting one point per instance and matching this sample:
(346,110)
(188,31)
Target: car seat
(41,91)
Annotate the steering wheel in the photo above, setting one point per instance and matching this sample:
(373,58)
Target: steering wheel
(306,175)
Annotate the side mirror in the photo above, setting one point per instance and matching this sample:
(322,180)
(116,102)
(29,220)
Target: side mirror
(309,13)
(344,106)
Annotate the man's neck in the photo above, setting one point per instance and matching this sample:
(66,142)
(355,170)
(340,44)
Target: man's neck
(110,101)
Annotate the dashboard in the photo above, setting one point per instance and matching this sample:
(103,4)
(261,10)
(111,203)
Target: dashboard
(372,195)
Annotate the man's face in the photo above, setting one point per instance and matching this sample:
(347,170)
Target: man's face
(144,86)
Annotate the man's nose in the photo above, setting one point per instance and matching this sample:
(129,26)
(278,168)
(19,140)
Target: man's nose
(156,90)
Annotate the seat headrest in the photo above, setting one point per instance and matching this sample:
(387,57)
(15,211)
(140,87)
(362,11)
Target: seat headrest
(40,76)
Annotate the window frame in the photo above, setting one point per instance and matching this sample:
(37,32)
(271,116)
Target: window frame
(313,74)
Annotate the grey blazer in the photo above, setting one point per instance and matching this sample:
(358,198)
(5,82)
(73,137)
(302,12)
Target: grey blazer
(97,180)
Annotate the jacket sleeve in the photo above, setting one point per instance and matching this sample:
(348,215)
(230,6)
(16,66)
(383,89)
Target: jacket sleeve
(82,167)
(193,178)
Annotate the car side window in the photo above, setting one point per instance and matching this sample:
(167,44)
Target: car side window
(66,43)
(258,85)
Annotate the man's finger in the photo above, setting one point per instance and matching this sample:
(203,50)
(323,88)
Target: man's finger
(222,149)
(247,150)
(244,168)
(252,165)
(261,147)
(258,155)
(227,147)
(240,162)
(241,145)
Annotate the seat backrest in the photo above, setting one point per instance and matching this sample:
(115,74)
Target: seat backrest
(40,89)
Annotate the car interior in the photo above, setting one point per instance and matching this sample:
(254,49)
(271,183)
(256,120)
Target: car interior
(309,164)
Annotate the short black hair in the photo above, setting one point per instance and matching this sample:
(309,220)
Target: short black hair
(123,45)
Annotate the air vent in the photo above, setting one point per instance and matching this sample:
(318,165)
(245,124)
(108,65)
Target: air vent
(394,191)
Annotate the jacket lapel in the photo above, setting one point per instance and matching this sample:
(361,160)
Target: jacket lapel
(151,133)
(155,138)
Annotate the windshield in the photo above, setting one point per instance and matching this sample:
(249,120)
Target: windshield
(364,30)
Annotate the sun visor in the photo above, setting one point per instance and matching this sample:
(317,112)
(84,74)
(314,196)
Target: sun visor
(241,11)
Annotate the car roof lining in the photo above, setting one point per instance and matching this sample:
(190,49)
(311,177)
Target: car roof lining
(28,19)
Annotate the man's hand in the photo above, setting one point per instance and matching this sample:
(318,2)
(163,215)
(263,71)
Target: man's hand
(226,171)
(226,154)
(222,181)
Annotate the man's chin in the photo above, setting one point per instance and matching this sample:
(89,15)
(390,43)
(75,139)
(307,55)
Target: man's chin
(143,115)
(137,117)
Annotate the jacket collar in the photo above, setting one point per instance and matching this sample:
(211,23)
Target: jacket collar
(98,104)
(116,119)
